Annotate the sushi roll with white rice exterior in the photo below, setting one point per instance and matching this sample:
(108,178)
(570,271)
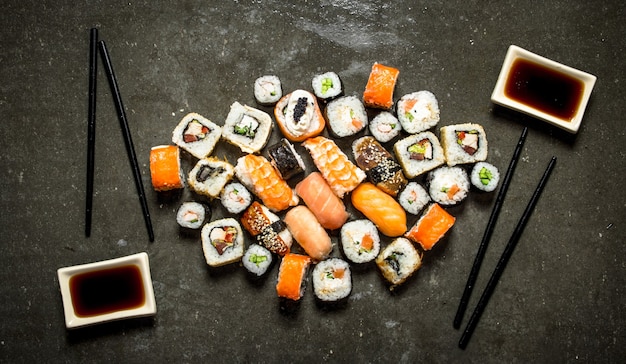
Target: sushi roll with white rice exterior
(346,116)
(191,215)
(222,242)
(235,197)
(385,126)
(485,176)
(197,135)
(247,127)
(414,198)
(398,261)
(332,280)
(327,85)
(267,89)
(209,176)
(257,260)
(360,241)
(464,143)
(448,185)
(418,111)
(419,153)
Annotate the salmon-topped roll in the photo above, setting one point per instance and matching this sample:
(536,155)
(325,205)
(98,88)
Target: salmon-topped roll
(322,201)
(165,168)
(380,85)
(382,209)
(340,173)
(291,276)
(258,175)
(298,116)
(431,226)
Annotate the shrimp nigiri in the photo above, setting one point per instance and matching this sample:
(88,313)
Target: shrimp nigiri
(380,208)
(340,173)
(308,232)
(257,173)
(323,203)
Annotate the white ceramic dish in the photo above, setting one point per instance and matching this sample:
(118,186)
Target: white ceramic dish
(71,294)
(504,98)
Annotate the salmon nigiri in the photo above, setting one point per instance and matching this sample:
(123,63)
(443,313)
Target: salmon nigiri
(340,173)
(382,209)
(258,175)
(308,232)
(431,226)
(323,203)
(380,85)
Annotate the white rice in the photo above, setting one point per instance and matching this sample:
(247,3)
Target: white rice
(454,149)
(232,253)
(346,116)
(413,198)
(385,126)
(247,127)
(235,197)
(444,181)
(413,166)
(267,89)
(191,215)
(398,261)
(257,259)
(485,176)
(421,116)
(209,176)
(332,280)
(327,85)
(352,234)
(199,148)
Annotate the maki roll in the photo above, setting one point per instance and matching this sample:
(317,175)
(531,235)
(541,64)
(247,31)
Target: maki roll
(327,85)
(448,185)
(235,197)
(379,166)
(385,126)
(419,153)
(257,260)
(222,242)
(165,169)
(196,135)
(380,86)
(247,127)
(191,215)
(268,230)
(418,111)
(360,241)
(332,280)
(398,261)
(464,143)
(413,198)
(267,90)
(485,176)
(209,176)
(346,116)
(298,116)
(431,226)
(292,276)
(285,160)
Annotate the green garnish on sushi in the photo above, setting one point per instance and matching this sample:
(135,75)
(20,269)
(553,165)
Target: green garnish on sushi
(257,259)
(327,84)
(485,176)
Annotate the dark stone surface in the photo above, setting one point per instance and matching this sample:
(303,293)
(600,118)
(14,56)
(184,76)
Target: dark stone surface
(560,299)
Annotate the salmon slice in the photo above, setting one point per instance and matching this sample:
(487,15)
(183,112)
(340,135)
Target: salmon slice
(431,226)
(291,275)
(339,172)
(258,175)
(165,169)
(325,205)
(308,232)
(382,209)
(380,86)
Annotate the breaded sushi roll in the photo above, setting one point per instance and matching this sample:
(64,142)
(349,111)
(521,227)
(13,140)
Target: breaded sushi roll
(448,186)
(292,276)
(222,242)
(165,168)
(385,126)
(285,159)
(298,116)
(247,127)
(346,116)
(380,86)
(419,153)
(235,197)
(379,165)
(197,135)
(418,111)
(485,176)
(327,85)
(398,261)
(360,241)
(414,198)
(257,260)
(267,90)
(464,143)
(209,176)
(332,280)
(191,215)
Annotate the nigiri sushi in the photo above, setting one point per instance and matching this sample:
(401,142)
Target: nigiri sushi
(323,203)
(308,232)
(380,85)
(382,209)
(258,175)
(431,226)
(340,173)
(291,276)
(298,116)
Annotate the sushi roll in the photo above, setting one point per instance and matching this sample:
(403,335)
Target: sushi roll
(380,86)
(327,85)
(464,143)
(267,228)
(292,276)
(385,126)
(332,280)
(235,197)
(346,116)
(485,176)
(308,232)
(398,261)
(191,215)
(414,198)
(257,260)
(298,116)
(317,195)
(267,90)
(383,210)
(448,186)
(165,168)
(209,176)
(418,111)
(419,153)
(432,225)
(379,165)
(197,135)
(360,241)
(285,160)
(222,242)
(247,127)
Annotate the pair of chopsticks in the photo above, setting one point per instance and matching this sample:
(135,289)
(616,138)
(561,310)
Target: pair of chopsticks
(94,45)
(508,250)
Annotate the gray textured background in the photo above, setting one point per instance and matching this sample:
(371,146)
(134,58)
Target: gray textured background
(561,298)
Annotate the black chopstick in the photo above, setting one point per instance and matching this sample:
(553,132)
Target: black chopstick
(91,126)
(471,279)
(127,138)
(506,254)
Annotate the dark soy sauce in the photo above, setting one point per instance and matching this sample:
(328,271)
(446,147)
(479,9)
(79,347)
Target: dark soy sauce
(107,290)
(544,89)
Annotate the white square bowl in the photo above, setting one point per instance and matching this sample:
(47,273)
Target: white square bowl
(74,320)
(500,97)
